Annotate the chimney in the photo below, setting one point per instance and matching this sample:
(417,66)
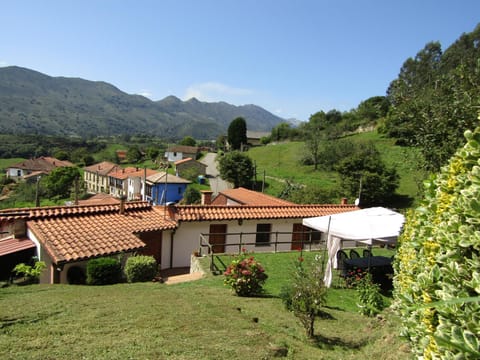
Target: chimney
(122,204)
(343,201)
(206,197)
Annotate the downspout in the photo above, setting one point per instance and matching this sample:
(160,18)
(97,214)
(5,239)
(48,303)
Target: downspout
(172,235)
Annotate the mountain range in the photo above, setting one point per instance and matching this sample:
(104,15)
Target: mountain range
(35,103)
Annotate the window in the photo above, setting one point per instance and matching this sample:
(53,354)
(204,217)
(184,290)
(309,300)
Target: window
(179,190)
(263,234)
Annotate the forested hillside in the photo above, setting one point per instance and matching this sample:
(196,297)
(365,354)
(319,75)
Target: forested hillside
(34,103)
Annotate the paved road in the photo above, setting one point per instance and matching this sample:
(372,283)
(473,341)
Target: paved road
(216,184)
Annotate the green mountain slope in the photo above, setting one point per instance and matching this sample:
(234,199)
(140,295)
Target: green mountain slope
(35,103)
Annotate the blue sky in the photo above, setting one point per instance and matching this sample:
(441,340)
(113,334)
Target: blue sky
(293,58)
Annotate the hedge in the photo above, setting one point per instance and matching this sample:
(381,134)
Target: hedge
(437,267)
(140,268)
(103,271)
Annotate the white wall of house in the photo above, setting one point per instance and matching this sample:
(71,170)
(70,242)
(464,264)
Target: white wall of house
(16,173)
(174,156)
(187,237)
(134,189)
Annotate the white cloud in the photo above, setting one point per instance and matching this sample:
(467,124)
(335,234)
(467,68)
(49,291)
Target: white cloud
(3,63)
(213,91)
(145,93)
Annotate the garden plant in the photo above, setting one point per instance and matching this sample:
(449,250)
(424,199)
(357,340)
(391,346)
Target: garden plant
(245,276)
(437,281)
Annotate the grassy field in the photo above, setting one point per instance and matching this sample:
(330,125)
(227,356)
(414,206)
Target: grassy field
(196,320)
(282,162)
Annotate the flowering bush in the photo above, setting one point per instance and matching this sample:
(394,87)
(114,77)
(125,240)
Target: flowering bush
(305,295)
(245,276)
(353,277)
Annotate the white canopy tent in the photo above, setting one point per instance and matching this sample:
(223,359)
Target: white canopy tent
(367,226)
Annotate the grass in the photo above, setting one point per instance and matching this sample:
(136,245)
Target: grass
(196,320)
(6,163)
(282,162)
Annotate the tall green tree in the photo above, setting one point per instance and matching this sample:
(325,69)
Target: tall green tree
(188,141)
(314,135)
(364,175)
(236,168)
(237,133)
(134,154)
(60,181)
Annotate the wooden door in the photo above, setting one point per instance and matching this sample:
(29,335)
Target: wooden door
(153,240)
(299,236)
(218,237)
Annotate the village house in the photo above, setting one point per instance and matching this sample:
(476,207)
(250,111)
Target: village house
(189,166)
(242,196)
(254,138)
(163,188)
(121,186)
(67,237)
(96,177)
(180,152)
(32,168)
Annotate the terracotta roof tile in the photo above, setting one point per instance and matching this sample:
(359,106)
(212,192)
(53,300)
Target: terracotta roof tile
(247,197)
(102,168)
(159,177)
(76,233)
(12,245)
(249,212)
(131,172)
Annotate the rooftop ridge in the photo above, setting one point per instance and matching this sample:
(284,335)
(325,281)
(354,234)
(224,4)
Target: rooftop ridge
(69,210)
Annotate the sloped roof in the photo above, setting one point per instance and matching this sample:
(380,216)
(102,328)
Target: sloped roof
(100,199)
(183,149)
(251,212)
(247,197)
(43,163)
(12,245)
(102,168)
(159,177)
(81,232)
(131,172)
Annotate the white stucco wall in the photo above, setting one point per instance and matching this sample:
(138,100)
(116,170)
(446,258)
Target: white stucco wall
(187,237)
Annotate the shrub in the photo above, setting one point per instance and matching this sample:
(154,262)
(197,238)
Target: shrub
(245,276)
(437,267)
(103,271)
(306,293)
(30,273)
(370,301)
(140,268)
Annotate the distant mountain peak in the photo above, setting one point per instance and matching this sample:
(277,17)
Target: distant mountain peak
(35,103)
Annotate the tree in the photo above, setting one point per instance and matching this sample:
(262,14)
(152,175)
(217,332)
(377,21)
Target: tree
(59,182)
(192,196)
(313,136)
(134,154)
(364,175)
(237,133)
(152,152)
(237,168)
(188,141)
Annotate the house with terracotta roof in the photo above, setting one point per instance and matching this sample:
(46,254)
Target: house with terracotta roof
(35,167)
(243,196)
(127,182)
(96,177)
(66,237)
(180,152)
(163,188)
(189,166)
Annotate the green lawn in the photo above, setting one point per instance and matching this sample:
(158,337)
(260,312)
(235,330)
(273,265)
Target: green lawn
(282,161)
(196,320)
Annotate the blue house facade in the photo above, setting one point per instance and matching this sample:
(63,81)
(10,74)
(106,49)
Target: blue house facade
(165,188)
